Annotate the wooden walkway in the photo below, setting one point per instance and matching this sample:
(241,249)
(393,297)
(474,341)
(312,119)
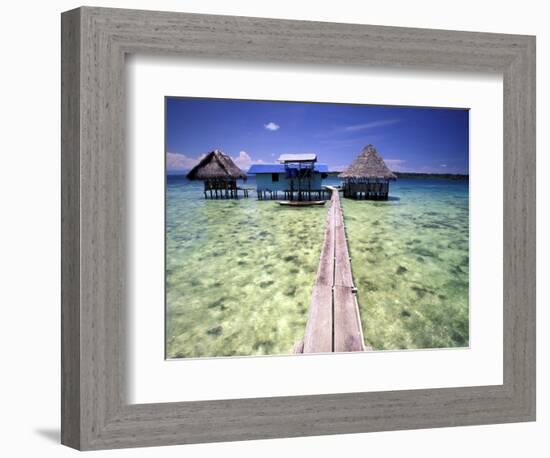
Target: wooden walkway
(334,324)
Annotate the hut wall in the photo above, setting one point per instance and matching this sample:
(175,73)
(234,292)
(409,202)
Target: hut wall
(369,189)
(264,182)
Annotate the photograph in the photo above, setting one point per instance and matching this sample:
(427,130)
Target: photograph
(297,227)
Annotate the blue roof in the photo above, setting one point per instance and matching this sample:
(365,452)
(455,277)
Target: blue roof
(280,168)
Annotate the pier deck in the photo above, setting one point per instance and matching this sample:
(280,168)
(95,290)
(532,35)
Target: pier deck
(334,324)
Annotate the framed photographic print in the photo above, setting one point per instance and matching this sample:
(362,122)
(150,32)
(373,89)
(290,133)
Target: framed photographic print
(218,253)
(286,228)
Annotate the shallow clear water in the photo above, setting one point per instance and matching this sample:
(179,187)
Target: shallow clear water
(410,261)
(239,273)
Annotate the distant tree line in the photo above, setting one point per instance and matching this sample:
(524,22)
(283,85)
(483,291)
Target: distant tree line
(442,176)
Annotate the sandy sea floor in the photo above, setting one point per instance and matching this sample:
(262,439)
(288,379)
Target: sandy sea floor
(239,274)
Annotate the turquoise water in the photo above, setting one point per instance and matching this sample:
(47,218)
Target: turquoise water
(239,273)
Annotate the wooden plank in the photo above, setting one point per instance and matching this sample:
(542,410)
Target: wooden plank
(348,333)
(334,323)
(342,267)
(318,335)
(325,271)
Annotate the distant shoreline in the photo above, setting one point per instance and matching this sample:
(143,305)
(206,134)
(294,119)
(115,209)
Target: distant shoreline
(441,176)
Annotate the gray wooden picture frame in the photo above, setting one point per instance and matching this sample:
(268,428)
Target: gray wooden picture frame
(95,412)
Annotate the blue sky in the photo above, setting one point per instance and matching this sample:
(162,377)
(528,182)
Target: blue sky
(410,139)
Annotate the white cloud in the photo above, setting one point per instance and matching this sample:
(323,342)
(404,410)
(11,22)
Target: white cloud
(338,168)
(370,125)
(180,162)
(444,165)
(272,126)
(244,161)
(395,164)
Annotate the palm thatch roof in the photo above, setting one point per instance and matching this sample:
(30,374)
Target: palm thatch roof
(216,165)
(368,165)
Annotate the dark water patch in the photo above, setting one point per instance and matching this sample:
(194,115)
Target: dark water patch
(456,284)
(420,259)
(430,226)
(290,291)
(420,291)
(424,252)
(447,225)
(242,263)
(265,284)
(401,270)
(456,270)
(265,345)
(405,313)
(215,331)
(219,303)
(182,238)
(459,340)
(294,271)
(370,286)
(263,234)
(290,258)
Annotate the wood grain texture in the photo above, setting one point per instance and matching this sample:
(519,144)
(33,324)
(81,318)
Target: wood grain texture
(348,333)
(96,414)
(342,268)
(318,334)
(70,229)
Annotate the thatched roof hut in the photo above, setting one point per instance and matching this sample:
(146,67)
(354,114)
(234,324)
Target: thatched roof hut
(367,177)
(219,174)
(368,165)
(216,165)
